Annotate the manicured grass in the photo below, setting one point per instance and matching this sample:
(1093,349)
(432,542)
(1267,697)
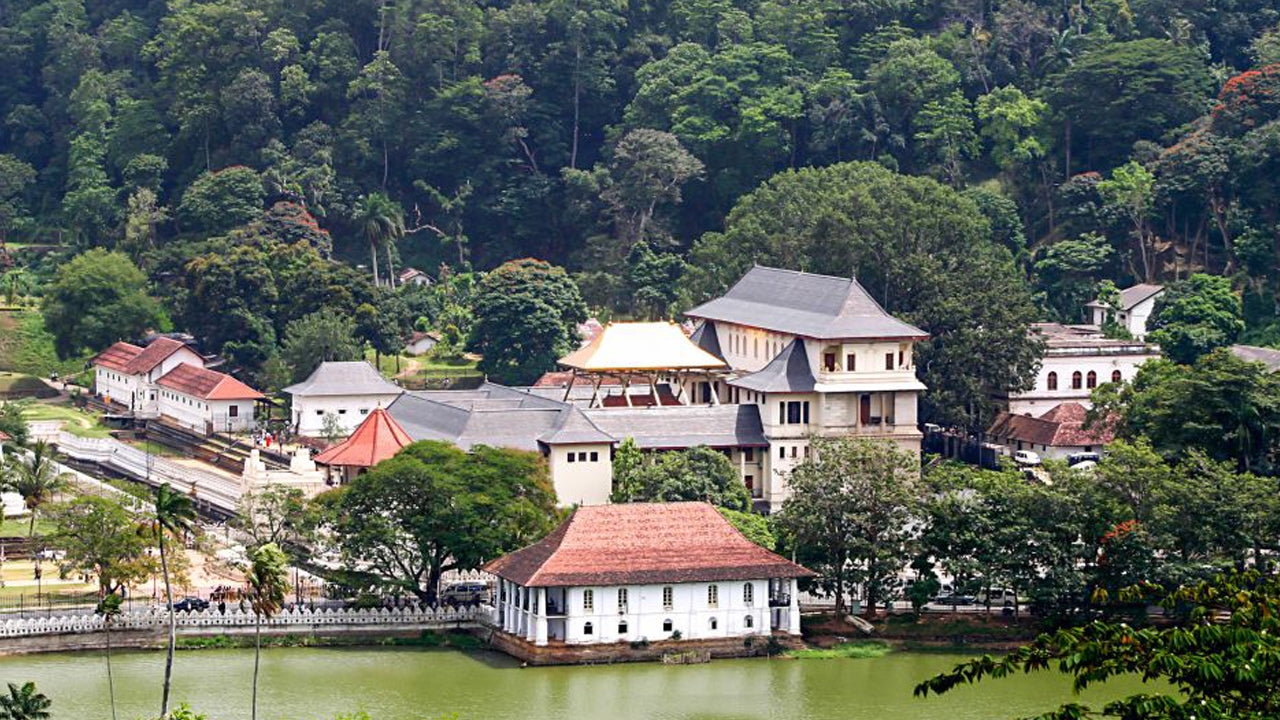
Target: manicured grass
(859,649)
(17,527)
(18,385)
(27,347)
(78,422)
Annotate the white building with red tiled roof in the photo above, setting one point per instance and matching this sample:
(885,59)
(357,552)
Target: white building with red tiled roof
(1057,434)
(168,380)
(645,571)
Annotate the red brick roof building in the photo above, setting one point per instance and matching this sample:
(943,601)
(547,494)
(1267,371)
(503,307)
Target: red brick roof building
(1058,433)
(377,438)
(636,571)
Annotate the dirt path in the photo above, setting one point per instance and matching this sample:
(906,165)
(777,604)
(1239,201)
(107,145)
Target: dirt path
(410,368)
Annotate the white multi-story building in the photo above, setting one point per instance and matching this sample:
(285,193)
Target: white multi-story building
(1076,360)
(1136,305)
(348,391)
(645,571)
(817,356)
(167,380)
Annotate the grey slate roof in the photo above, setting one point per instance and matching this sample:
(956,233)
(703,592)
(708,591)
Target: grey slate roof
(492,415)
(1253,353)
(706,337)
(816,306)
(344,378)
(788,372)
(1132,296)
(683,426)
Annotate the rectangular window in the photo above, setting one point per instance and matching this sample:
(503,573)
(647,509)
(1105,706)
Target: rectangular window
(793,413)
(750,481)
(595,456)
(829,361)
(713,596)
(782,413)
(622,599)
(806,412)
(888,361)
(588,600)
(343,411)
(573,457)
(806,452)
(668,597)
(233,411)
(748,594)
(782,452)
(850,362)
(793,452)
(749,454)
(900,358)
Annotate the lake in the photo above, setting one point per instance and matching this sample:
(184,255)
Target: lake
(422,684)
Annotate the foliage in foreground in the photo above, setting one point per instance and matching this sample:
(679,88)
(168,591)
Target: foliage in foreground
(1222,656)
(859,649)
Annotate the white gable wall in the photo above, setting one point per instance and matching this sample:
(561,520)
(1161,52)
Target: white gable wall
(351,410)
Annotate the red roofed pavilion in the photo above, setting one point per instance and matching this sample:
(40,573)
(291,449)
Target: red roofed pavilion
(377,438)
(645,571)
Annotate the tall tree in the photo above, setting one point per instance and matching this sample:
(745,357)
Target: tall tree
(434,508)
(96,299)
(24,703)
(322,336)
(268,580)
(698,473)
(174,517)
(526,316)
(37,479)
(1196,316)
(851,514)
(382,221)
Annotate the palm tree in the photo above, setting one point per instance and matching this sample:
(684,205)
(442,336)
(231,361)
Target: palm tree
(109,608)
(36,479)
(24,703)
(268,582)
(175,515)
(382,221)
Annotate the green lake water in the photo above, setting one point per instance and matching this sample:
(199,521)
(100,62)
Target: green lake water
(421,684)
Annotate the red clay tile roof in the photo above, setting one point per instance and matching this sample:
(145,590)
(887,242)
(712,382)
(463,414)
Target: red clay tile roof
(378,438)
(118,356)
(153,355)
(207,384)
(1062,426)
(632,543)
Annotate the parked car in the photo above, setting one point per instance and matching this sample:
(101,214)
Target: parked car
(191,604)
(1082,457)
(998,597)
(1026,457)
(467,591)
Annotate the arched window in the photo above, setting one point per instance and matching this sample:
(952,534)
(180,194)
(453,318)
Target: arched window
(1115,376)
(1092,379)
(1053,381)
(748,594)
(748,621)
(1076,380)
(587,628)
(666,625)
(712,623)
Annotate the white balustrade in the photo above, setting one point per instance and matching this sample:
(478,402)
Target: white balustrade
(295,617)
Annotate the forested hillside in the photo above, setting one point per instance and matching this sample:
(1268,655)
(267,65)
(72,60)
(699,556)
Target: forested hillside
(653,150)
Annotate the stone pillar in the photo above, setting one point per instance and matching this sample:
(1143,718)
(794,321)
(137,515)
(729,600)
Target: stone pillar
(793,612)
(540,618)
(529,613)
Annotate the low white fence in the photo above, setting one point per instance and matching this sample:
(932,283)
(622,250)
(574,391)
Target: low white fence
(299,618)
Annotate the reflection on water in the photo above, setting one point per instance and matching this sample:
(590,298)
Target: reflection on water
(413,684)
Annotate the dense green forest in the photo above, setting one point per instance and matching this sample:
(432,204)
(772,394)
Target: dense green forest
(977,164)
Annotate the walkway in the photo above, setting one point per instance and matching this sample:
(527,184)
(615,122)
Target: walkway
(221,492)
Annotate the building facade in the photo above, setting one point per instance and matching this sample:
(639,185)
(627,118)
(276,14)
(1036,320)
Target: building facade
(1135,308)
(645,572)
(168,380)
(347,391)
(1077,359)
(818,357)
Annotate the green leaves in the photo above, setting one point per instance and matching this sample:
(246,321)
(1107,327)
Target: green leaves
(1195,317)
(97,299)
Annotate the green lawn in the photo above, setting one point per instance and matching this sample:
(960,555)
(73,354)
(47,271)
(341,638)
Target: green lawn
(78,422)
(27,347)
(427,367)
(17,527)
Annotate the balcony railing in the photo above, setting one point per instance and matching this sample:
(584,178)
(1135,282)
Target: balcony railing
(780,600)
